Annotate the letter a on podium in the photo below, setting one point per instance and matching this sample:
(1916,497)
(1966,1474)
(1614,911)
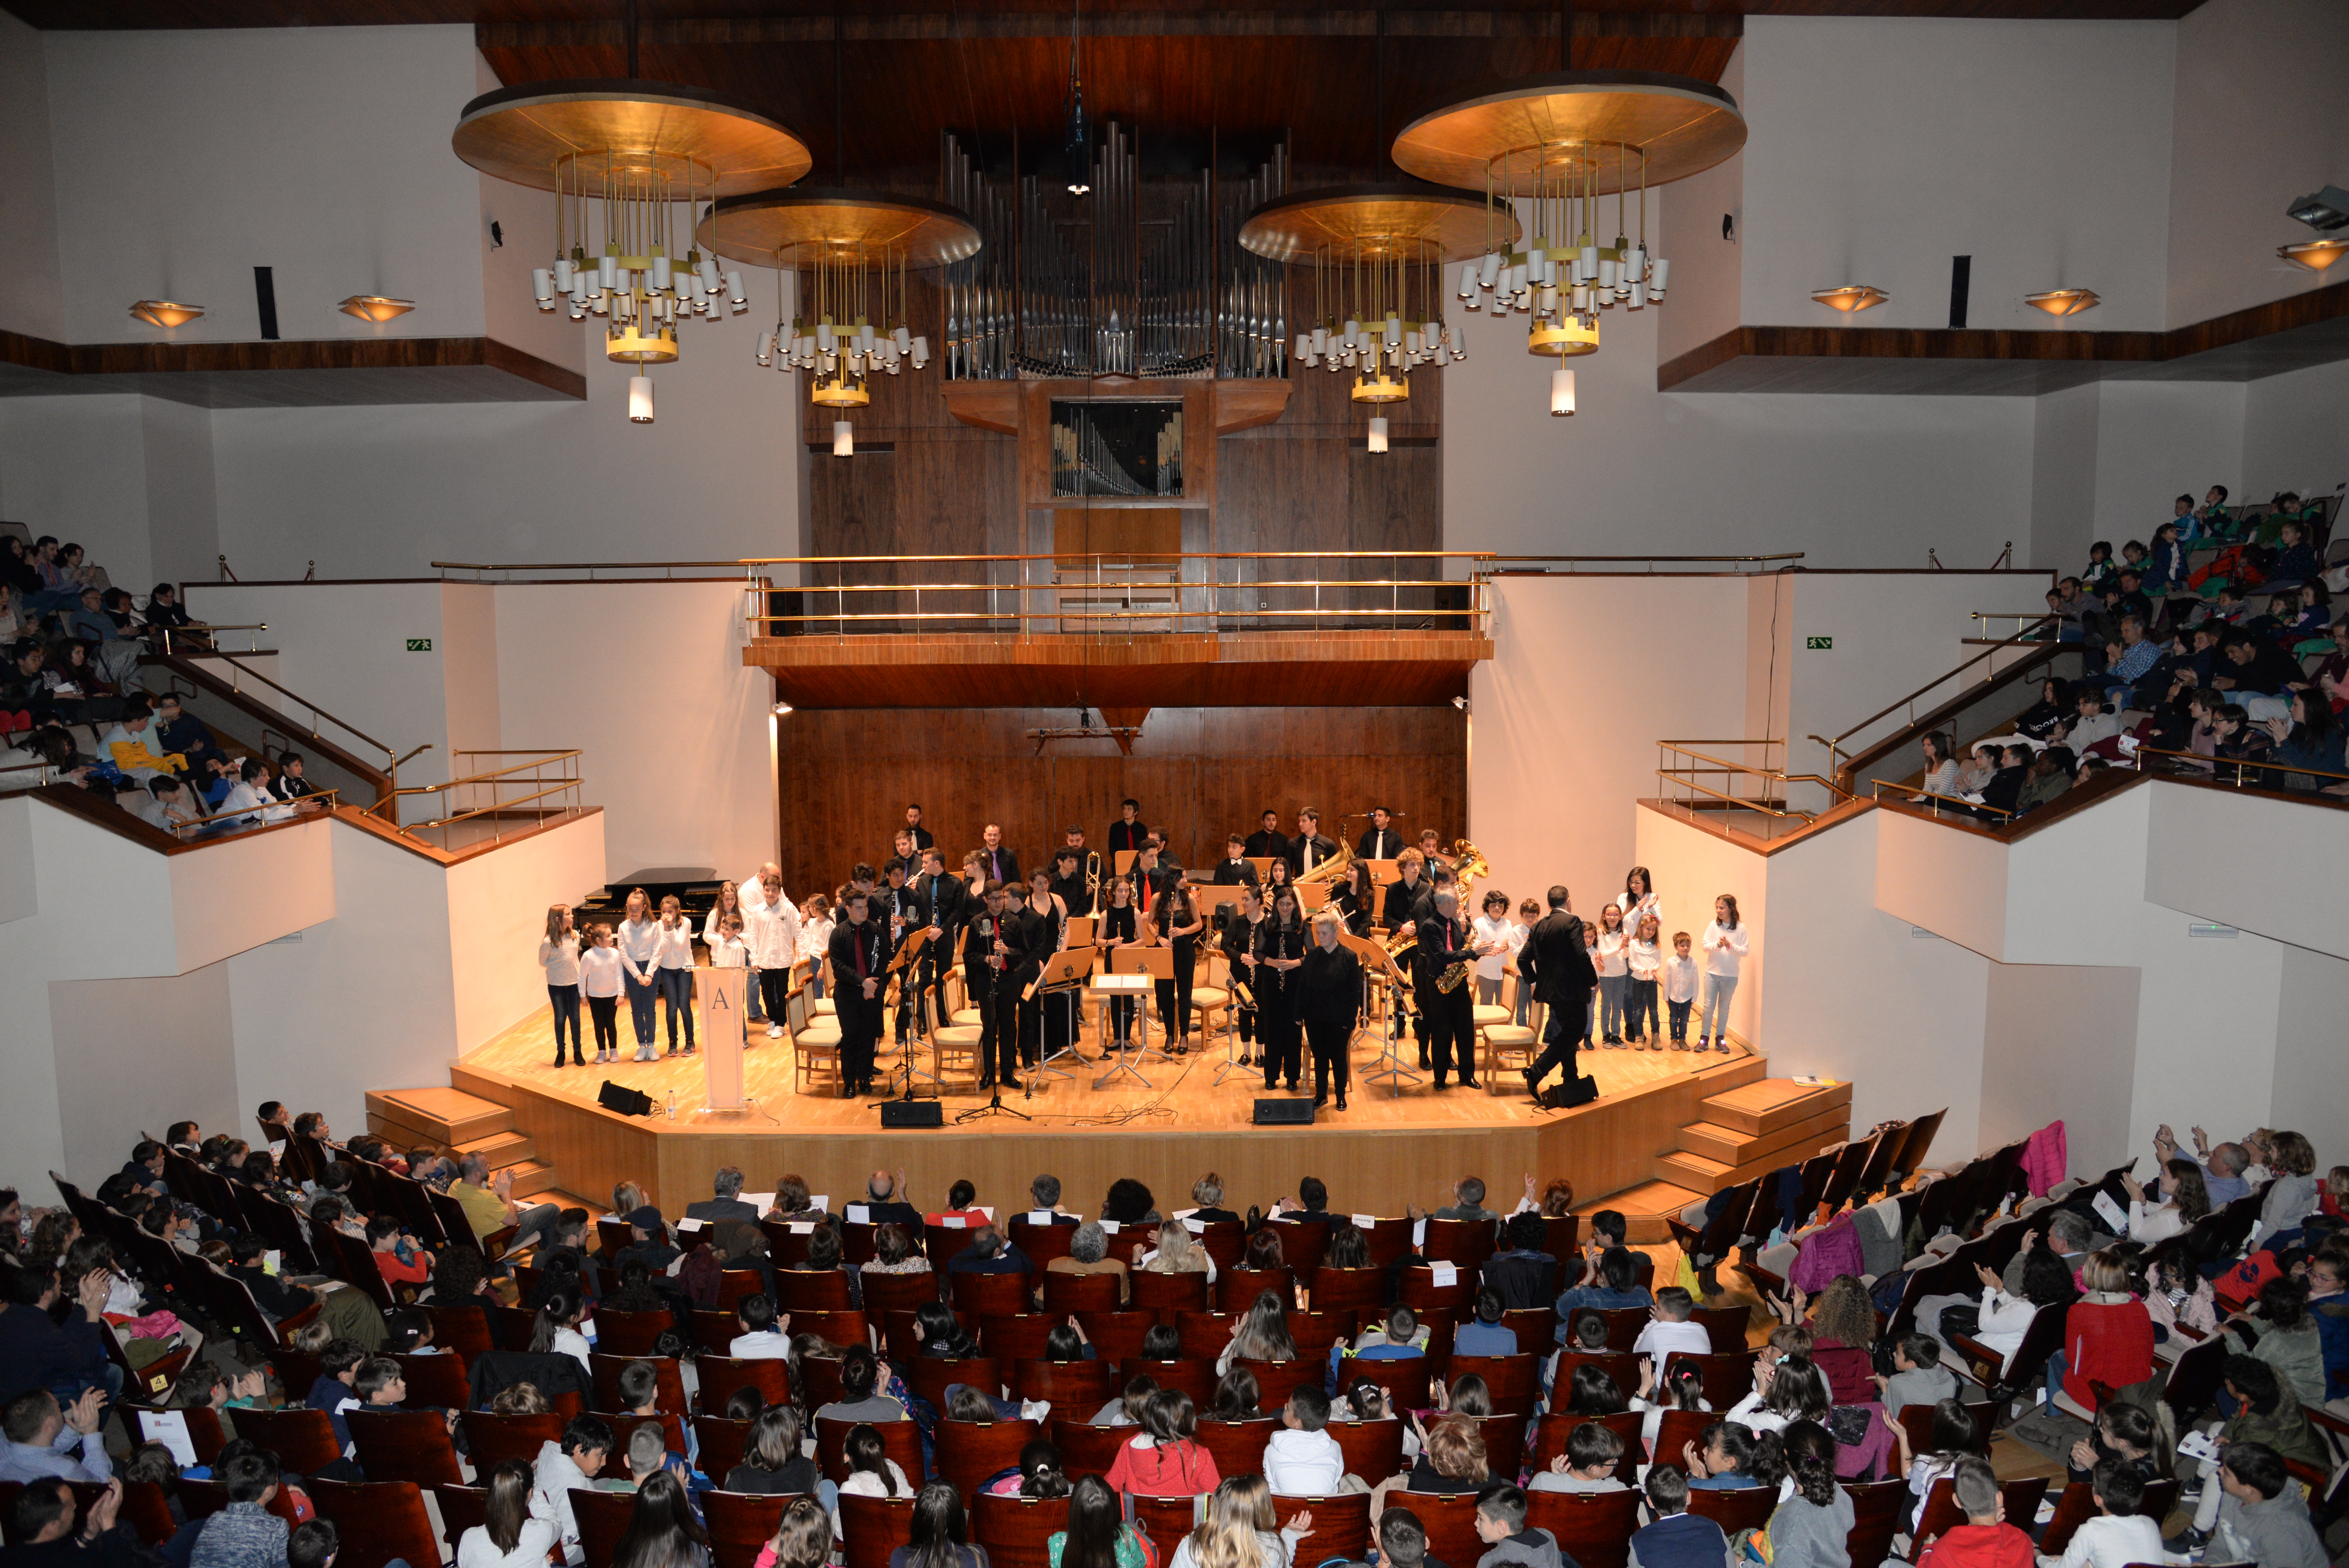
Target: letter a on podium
(722,997)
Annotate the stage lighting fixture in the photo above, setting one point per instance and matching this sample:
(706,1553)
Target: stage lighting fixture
(782,709)
(2324,211)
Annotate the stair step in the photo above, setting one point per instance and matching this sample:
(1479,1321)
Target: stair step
(1793,1142)
(447,1116)
(1768,1104)
(1693,1170)
(501,1149)
(1644,1209)
(531,1177)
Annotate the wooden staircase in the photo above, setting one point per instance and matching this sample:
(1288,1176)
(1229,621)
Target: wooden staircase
(461,1123)
(1748,1130)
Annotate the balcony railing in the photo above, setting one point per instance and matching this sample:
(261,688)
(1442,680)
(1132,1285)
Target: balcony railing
(1700,781)
(487,806)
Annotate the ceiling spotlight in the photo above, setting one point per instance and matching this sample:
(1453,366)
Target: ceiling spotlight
(1461,702)
(2063,302)
(1850,297)
(165,312)
(782,709)
(2314,255)
(2325,211)
(377,308)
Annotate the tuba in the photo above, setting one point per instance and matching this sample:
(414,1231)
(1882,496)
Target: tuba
(1331,870)
(1468,863)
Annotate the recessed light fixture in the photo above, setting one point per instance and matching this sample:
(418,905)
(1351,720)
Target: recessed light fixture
(2064,302)
(1850,297)
(2314,255)
(166,313)
(377,308)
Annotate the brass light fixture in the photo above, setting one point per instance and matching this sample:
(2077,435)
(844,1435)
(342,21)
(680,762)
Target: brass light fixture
(165,314)
(2063,302)
(377,308)
(1851,297)
(2314,255)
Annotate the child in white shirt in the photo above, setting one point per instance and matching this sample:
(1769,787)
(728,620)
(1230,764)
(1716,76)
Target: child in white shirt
(1590,1020)
(1679,988)
(1671,1329)
(1302,1460)
(1614,975)
(815,936)
(1490,937)
(599,979)
(2118,1535)
(1643,958)
(1519,930)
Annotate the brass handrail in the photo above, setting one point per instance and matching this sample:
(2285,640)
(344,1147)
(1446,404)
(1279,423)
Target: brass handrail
(1958,803)
(1734,560)
(498,804)
(2236,763)
(204,629)
(754,561)
(316,713)
(322,801)
(1911,700)
(1687,777)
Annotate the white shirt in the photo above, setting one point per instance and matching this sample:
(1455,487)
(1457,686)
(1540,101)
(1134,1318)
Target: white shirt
(772,933)
(1680,979)
(476,1549)
(729,953)
(1720,962)
(1488,967)
(1660,1339)
(637,945)
(561,962)
(1643,959)
(599,972)
(551,1501)
(2105,1541)
(1612,965)
(250,803)
(572,1343)
(1749,1413)
(769,1346)
(2151,1222)
(1304,1464)
(1648,905)
(673,944)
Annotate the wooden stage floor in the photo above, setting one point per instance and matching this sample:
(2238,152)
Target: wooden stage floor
(1385,1151)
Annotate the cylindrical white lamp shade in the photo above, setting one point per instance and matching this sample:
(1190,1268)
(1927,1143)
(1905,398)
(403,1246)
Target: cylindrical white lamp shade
(734,295)
(1378,433)
(1561,391)
(1490,271)
(844,438)
(1468,284)
(541,285)
(641,399)
(1658,270)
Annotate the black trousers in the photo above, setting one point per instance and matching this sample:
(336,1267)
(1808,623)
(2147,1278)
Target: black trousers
(1032,1030)
(981,993)
(1174,995)
(1452,1031)
(1004,1065)
(1569,1025)
(860,1031)
(1330,1042)
(774,988)
(1121,1018)
(1278,1031)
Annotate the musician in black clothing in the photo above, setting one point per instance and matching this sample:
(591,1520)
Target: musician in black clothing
(1268,842)
(1000,863)
(1233,870)
(1357,900)
(1381,842)
(1117,930)
(1327,991)
(859,956)
(1152,880)
(1019,1019)
(1406,906)
(942,894)
(1310,849)
(901,902)
(1068,882)
(922,839)
(1556,962)
(1444,941)
(1127,833)
(1280,949)
(1240,944)
(983,975)
(1157,839)
(1175,915)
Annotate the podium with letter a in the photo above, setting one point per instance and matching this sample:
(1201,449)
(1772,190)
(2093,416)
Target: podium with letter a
(722,995)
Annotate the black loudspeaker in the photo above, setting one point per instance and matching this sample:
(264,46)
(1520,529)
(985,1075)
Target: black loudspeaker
(1283,1113)
(912,1113)
(626,1100)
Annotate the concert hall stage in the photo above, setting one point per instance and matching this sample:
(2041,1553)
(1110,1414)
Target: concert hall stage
(1385,1151)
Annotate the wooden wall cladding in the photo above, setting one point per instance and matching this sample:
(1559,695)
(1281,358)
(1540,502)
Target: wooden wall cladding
(847,776)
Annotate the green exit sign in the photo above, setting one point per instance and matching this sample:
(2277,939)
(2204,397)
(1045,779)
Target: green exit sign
(1807,641)
(420,644)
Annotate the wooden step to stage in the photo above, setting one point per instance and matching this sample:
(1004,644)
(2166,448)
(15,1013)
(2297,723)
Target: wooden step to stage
(1644,1209)
(461,1123)
(1755,1129)
(1768,1104)
(501,1149)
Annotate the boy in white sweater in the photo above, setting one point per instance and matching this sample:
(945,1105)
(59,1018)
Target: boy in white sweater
(2118,1535)
(1679,988)
(1302,1460)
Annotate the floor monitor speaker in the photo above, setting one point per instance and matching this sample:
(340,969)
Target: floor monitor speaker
(1283,1113)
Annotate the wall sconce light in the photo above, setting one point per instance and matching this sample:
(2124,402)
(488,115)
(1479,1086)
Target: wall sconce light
(377,308)
(2063,302)
(166,313)
(1851,297)
(2314,255)
(782,709)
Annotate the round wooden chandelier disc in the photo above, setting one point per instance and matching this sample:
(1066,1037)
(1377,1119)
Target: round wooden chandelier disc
(1570,122)
(538,133)
(1410,223)
(838,226)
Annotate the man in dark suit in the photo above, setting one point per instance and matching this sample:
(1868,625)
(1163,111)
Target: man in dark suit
(1127,833)
(1019,930)
(728,1205)
(1310,849)
(1233,870)
(985,981)
(1068,883)
(1328,991)
(1001,865)
(859,954)
(1268,842)
(1556,962)
(1450,1015)
(884,1203)
(922,839)
(1381,842)
(901,903)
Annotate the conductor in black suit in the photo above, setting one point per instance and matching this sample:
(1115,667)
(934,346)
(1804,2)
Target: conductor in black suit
(1328,987)
(1556,962)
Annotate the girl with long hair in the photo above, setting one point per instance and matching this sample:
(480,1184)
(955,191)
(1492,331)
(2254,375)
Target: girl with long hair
(673,968)
(1177,923)
(603,976)
(1285,941)
(941,1533)
(1165,1460)
(1640,900)
(870,1471)
(1357,898)
(1236,1397)
(556,1328)
(1241,1529)
(638,943)
(1614,958)
(1098,1535)
(662,1530)
(729,906)
(1115,929)
(508,1537)
(1261,1336)
(772,1464)
(801,1540)
(1726,942)
(1811,1526)
(558,954)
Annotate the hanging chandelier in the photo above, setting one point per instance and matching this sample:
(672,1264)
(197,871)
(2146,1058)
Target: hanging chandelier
(1556,144)
(619,156)
(1378,253)
(850,255)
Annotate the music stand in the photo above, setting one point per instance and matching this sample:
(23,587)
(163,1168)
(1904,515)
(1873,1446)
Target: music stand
(1383,872)
(1379,963)
(1122,861)
(1311,896)
(905,965)
(1063,974)
(1137,971)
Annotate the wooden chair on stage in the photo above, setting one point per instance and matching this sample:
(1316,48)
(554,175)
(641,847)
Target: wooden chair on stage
(813,1040)
(1503,1035)
(955,1041)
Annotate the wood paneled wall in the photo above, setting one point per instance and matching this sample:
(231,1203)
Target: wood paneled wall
(847,777)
